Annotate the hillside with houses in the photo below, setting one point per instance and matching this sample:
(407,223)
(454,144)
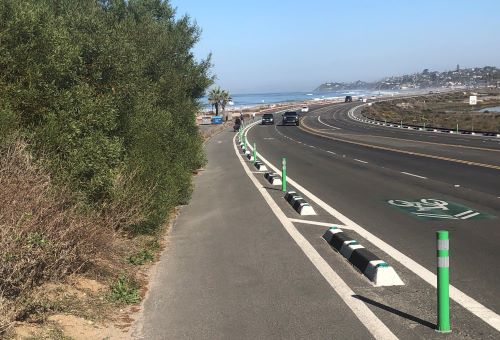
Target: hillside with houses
(488,76)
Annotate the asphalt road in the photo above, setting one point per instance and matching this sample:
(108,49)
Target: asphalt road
(242,264)
(359,180)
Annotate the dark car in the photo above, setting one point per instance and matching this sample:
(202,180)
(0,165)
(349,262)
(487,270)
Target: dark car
(290,118)
(267,118)
(348,99)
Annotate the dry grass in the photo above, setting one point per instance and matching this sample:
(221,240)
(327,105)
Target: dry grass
(45,236)
(443,111)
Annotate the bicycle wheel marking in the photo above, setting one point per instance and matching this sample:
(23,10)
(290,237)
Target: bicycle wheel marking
(436,209)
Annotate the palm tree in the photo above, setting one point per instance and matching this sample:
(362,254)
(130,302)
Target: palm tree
(214,98)
(219,98)
(225,98)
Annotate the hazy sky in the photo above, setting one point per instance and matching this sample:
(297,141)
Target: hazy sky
(279,45)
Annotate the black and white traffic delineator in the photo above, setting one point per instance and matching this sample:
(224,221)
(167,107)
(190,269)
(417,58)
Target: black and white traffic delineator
(299,204)
(375,269)
(260,166)
(272,178)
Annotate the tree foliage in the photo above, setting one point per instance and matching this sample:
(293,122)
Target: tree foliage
(99,88)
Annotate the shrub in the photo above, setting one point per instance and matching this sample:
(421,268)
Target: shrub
(125,290)
(43,236)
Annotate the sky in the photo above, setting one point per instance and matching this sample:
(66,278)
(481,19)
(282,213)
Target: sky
(278,45)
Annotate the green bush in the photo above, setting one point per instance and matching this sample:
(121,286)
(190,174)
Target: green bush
(124,290)
(141,257)
(100,88)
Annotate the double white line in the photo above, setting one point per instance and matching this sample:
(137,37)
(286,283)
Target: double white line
(467,214)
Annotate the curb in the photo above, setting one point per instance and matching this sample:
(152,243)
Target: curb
(377,271)
(273,178)
(299,204)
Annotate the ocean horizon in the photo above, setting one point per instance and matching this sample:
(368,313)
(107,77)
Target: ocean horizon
(245,100)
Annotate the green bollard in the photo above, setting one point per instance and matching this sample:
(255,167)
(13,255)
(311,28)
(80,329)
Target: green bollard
(244,142)
(443,281)
(254,152)
(283,174)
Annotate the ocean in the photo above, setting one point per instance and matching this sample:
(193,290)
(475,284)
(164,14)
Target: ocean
(241,101)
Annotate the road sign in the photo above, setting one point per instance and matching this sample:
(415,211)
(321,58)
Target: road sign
(473,100)
(436,209)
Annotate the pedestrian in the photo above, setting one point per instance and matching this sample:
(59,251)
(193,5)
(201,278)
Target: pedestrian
(253,116)
(241,117)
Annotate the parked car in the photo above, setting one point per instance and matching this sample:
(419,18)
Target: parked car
(304,109)
(290,118)
(267,118)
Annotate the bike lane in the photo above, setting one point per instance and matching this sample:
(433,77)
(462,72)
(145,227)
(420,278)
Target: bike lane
(231,271)
(363,191)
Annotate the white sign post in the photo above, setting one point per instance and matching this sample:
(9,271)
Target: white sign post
(473,100)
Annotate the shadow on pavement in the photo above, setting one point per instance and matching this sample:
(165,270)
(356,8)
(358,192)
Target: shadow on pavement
(395,311)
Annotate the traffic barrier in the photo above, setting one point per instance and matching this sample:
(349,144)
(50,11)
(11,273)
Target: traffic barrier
(260,166)
(299,204)
(377,271)
(272,178)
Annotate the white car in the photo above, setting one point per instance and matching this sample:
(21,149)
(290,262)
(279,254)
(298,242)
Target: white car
(304,109)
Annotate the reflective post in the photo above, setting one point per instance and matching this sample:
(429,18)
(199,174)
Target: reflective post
(443,281)
(283,174)
(254,152)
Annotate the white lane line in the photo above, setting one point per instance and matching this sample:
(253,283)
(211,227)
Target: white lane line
(333,127)
(474,307)
(324,224)
(464,213)
(333,153)
(469,216)
(435,216)
(376,327)
(410,174)
(359,160)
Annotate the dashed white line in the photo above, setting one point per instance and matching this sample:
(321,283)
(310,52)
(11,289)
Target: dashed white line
(333,153)
(410,174)
(359,160)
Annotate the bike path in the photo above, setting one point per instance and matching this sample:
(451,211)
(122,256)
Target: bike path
(231,271)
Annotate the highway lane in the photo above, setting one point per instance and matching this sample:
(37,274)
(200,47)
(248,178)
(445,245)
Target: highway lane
(479,179)
(337,116)
(338,174)
(472,155)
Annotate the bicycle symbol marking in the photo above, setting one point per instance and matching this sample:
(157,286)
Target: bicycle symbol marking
(431,208)
(425,204)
